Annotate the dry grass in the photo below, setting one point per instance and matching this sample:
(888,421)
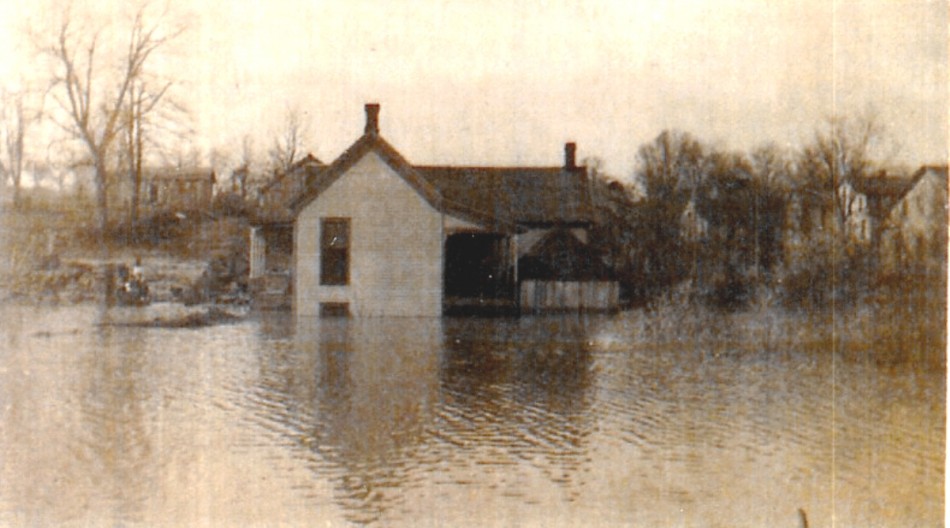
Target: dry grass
(890,330)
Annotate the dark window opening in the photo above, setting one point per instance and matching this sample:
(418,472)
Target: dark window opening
(334,309)
(335,251)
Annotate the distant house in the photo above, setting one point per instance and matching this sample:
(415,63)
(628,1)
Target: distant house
(162,188)
(177,188)
(272,232)
(868,202)
(914,233)
(862,205)
(275,196)
(376,235)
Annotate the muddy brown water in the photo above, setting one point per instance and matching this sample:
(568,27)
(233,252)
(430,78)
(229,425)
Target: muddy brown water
(547,421)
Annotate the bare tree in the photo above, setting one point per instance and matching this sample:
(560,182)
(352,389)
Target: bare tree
(669,171)
(17,115)
(14,130)
(828,262)
(840,156)
(671,166)
(240,175)
(289,143)
(148,113)
(771,166)
(94,101)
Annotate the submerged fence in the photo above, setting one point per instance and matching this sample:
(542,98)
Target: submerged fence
(550,296)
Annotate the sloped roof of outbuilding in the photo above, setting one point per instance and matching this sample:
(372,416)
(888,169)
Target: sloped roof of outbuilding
(559,255)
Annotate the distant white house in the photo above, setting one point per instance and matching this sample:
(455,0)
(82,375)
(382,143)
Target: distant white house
(915,229)
(693,226)
(868,202)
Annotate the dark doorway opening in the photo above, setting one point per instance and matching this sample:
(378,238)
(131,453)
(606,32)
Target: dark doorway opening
(477,266)
(279,249)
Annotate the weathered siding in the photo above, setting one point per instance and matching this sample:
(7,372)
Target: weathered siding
(544,296)
(395,246)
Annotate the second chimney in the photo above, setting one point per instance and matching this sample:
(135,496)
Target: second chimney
(372,119)
(570,156)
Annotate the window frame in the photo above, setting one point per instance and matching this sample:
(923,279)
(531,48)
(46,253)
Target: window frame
(329,253)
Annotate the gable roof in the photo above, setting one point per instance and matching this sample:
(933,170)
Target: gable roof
(299,169)
(940,171)
(503,198)
(560,255)
(367,143)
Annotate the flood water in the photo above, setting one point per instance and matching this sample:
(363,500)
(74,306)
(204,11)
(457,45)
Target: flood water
(548,421)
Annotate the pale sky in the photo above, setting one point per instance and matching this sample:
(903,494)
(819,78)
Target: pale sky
(488,82)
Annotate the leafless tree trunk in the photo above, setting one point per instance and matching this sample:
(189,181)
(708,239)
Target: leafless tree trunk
(840,154)
(142,103)
(241,174)
(288,143)
(92,100)
(16,119)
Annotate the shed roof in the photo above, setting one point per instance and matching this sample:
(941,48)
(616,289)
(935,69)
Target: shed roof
(559,255)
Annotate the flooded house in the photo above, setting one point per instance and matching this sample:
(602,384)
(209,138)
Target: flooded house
(374,235)
(272,233)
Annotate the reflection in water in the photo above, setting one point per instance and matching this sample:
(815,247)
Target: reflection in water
(379,402)
(449,422)
(113,447)
(359,394)
(519,389)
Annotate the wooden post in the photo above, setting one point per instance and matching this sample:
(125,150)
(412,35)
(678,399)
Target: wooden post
(513,242)
(258,248)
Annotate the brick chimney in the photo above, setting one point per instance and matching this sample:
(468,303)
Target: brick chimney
(372,119)
(570,156)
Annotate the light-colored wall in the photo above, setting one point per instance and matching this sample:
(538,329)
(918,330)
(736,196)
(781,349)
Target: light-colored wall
(693,226)
(395,246)
(858,216)
(924,207)
(917,224)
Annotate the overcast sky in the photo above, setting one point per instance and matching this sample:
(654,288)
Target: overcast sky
(488,82)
